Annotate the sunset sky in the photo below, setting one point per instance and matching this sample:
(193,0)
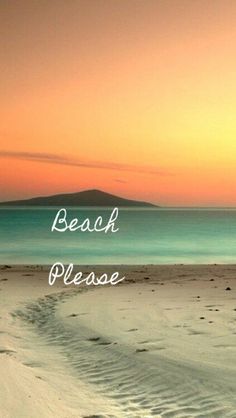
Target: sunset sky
(135,97)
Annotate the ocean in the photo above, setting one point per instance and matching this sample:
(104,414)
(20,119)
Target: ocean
(145,236)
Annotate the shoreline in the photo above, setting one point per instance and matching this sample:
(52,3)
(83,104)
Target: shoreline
(76,352)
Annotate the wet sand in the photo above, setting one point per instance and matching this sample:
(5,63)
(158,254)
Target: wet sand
(162,343)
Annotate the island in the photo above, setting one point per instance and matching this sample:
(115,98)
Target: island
(92,197)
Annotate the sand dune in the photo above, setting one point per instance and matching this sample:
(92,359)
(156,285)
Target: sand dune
(162,344)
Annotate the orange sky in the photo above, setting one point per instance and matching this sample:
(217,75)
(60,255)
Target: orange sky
(136,97)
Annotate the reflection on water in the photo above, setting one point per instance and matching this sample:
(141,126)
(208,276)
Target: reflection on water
(145,236)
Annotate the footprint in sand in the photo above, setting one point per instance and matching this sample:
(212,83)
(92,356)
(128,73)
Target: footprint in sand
(94,416)
(27,274)
(194,332)
(33,364)
(105,343)
(141,350)
(132,330)
(94,339)
(6,351)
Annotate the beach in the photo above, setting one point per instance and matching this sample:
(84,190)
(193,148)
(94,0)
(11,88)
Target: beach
(161,343)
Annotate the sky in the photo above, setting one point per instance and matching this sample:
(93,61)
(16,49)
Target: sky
(134,97)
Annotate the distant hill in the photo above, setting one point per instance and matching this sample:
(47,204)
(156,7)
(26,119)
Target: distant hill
(84,198)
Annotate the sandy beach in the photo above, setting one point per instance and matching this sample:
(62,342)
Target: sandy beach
(162,343)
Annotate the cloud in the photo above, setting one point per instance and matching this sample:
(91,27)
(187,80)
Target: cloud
(42,157)
(120,181)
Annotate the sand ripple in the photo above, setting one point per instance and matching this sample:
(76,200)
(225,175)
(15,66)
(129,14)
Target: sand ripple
(143,385)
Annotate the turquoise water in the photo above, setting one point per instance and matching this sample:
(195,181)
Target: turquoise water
(145,236)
